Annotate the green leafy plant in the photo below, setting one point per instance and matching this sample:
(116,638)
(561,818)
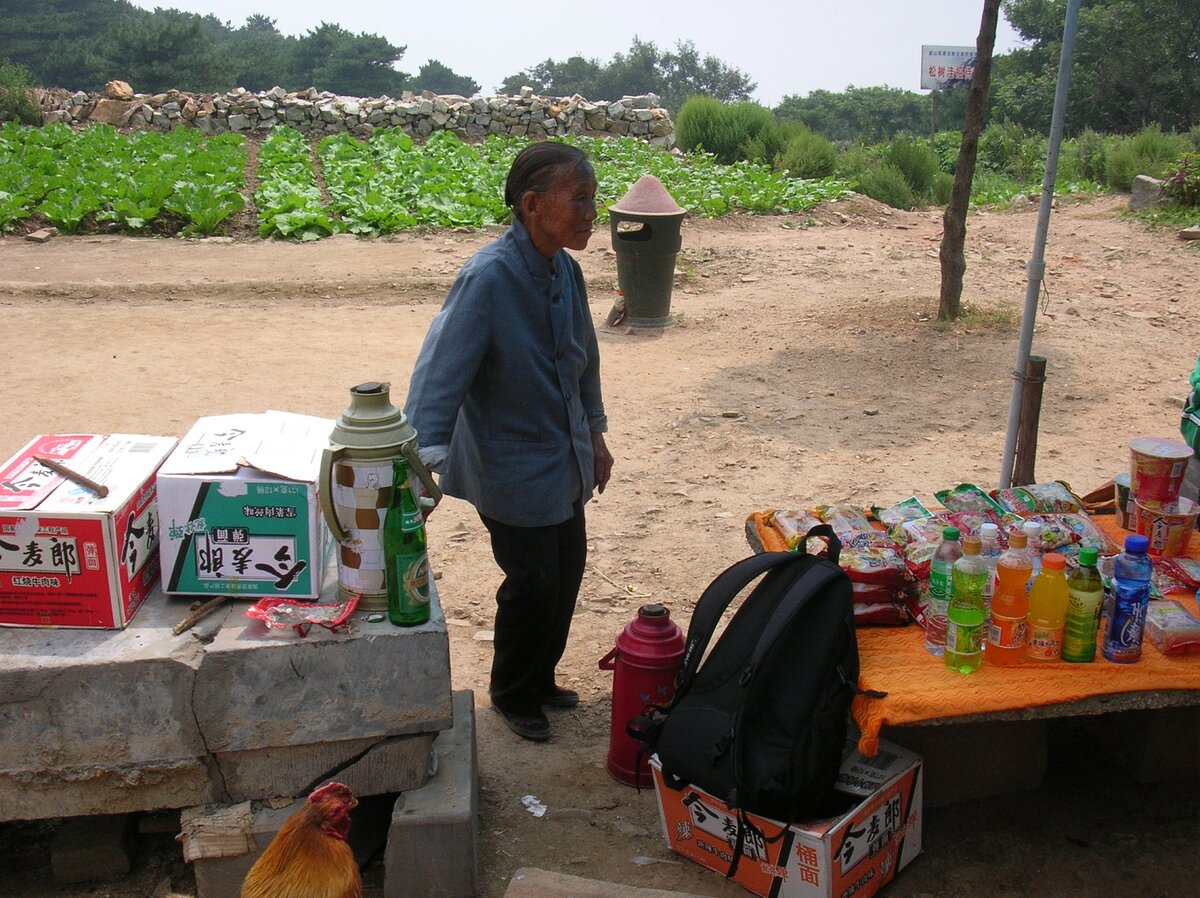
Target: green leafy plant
(917,161)
(807,155)
(1183,185)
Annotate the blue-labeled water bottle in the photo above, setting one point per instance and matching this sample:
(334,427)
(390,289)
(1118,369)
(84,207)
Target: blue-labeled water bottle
(1126,621)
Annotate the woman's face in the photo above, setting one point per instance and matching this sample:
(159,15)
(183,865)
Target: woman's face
(562,216)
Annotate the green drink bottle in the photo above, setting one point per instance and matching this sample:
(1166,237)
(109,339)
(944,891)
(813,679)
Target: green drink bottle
(1086,592)
(406,562)
(964,633)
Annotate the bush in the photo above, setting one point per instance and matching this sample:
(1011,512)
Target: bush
(917,162)
(855,160)
(1091,151)
(946,145)
(807,155)
(1149,152)
(887,184)
(698,118)
(943,185)
(732,132)
(15,103)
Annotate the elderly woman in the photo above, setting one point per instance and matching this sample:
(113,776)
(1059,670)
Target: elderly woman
(505,396)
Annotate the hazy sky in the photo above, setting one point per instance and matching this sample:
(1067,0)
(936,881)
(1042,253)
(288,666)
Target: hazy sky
(786,46)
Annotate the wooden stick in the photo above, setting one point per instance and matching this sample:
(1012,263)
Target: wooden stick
(98,488)
(197,614)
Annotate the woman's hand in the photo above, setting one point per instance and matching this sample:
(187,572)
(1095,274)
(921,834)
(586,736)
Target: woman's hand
(604,461)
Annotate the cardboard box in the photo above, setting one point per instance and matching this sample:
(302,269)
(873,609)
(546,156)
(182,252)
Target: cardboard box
(70,558)
(238,502)
(875,834)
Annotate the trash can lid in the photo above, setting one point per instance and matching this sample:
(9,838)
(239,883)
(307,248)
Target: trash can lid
(648,197)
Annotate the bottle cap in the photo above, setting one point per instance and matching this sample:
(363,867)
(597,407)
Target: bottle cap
(989,529)
(1054,561)
(1088,555)
(1017,540)
(1032,528)
(972,545)
(949,533)
(1137,542)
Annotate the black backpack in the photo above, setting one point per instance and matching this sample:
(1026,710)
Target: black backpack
(762,723)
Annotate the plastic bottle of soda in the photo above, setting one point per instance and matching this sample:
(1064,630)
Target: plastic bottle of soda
(964,633)
(1010,604)
(941,587)
(1083,613)
(989,551)
(1125,625)
(1048,601)
(1033,546)
(941,569)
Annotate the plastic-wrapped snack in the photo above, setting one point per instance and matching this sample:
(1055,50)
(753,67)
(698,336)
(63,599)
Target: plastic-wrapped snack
(919,556)
(1055,497)
(1056,532)
(893,517)
(1165,579)
(843,519)
(969,522)
(1172,628)
(967,497)
(875,564)
(1087,533)
(1184,568)
(1016,499)
(792,525)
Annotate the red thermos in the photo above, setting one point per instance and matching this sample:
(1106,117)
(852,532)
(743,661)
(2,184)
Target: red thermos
(645,661)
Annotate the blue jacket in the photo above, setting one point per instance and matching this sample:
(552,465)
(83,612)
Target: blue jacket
(508,379)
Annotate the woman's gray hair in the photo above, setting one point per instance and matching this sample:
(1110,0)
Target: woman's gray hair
(538,166)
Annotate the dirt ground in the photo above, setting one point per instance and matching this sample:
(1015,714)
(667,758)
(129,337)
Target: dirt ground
(805,367)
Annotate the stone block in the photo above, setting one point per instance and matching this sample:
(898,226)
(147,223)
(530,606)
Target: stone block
(1144,193)
(88,848)
(530,882)
(392,764)
(1156,745)
(1015,753)
(97,721)
(258,689)
(433,842)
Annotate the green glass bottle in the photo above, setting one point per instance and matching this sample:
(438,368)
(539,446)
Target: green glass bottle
(405,560)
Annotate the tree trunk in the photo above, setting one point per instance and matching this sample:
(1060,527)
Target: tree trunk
(954,222)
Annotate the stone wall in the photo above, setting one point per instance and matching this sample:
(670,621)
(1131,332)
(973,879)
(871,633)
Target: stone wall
(319,112)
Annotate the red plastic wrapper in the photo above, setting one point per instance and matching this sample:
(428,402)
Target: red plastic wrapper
(279,614)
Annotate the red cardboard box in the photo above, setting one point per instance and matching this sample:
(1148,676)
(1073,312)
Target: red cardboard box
(876,834)
(71,558)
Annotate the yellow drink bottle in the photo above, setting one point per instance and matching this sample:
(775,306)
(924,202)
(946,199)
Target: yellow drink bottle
(1048,602)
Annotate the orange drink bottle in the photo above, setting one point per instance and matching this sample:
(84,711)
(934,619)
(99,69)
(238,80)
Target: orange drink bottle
(1010,605)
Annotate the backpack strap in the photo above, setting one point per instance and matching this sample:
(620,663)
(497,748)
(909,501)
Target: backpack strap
(713,602)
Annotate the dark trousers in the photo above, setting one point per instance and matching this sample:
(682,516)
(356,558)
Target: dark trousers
(543,567)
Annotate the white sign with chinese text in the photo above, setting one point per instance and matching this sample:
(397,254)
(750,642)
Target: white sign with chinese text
(945,68)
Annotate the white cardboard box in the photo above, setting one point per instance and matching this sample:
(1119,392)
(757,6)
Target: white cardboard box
(238,501)
(856,852)
(70,558)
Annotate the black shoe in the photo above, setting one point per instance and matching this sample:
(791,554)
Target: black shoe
(529,725)
(558,697)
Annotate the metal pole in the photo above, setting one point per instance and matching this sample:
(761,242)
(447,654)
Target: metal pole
(1036,268)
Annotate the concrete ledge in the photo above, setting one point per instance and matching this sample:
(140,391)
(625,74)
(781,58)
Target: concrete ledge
(433,841)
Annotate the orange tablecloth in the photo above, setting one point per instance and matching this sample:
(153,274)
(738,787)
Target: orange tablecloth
(918,687)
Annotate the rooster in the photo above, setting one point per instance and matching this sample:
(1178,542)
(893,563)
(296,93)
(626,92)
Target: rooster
(309,857)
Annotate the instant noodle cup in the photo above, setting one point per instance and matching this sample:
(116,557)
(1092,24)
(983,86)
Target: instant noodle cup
(1156,468)
(1168,525)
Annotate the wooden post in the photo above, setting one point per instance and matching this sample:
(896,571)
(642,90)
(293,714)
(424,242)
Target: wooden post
(1027,429)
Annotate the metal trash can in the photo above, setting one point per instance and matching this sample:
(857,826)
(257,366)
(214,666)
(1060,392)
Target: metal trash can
(645,237)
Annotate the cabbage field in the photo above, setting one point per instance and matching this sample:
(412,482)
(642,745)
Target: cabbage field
(100,180)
